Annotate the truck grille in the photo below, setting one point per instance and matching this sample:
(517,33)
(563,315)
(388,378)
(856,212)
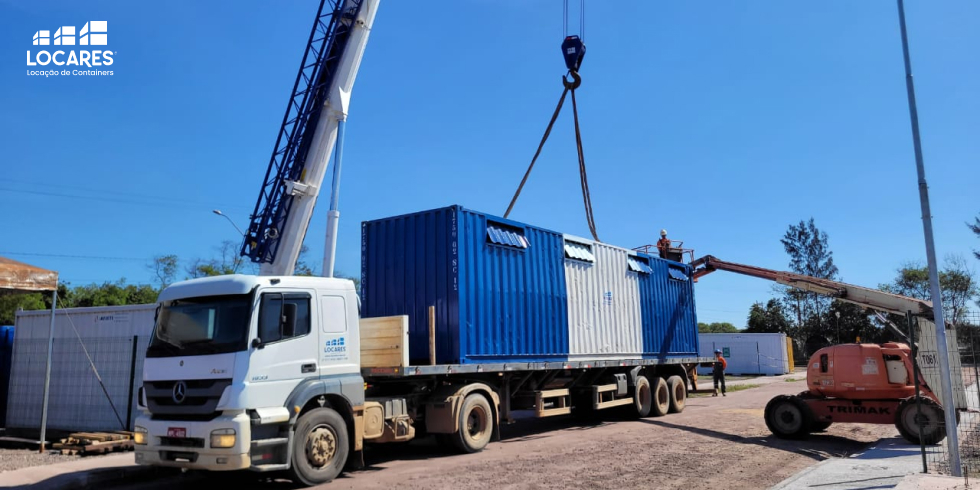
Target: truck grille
(184,397)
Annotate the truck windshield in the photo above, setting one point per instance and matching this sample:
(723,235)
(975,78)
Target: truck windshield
(199,326)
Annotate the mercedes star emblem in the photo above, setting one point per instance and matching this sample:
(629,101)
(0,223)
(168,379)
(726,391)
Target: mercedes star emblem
(180,392)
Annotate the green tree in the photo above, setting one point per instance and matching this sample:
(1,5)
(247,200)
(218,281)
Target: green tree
(975,228)
(809,252)
(164,268)
(849,322)
(770,318)
(956,280)
(228,261)
(717,327)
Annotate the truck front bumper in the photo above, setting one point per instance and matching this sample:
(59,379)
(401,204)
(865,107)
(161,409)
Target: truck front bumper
(194,451)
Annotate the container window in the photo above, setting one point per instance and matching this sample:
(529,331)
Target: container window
(677,273)
(579,251)
(507,236)
(638,264)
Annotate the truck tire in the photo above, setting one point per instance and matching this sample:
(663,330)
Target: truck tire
(642,397)
(661,397)
(320,447)
(678,394)
(932,417)
(475,424)
(788,417)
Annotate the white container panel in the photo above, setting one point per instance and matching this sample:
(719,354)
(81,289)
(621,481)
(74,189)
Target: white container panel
(77,401)
(603,304)
(749,353)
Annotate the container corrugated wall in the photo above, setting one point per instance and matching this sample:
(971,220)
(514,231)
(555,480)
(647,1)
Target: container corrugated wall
(604,318)
(408,264)
(512,301)
(670,326)
(505,291)
(6,356)
(749,353)
(76,400)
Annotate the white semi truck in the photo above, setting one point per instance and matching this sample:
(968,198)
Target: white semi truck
(276,373)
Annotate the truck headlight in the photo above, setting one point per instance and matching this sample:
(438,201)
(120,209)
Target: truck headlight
(223,438)
(139,435)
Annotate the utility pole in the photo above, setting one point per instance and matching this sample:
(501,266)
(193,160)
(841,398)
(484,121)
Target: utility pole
(949,407)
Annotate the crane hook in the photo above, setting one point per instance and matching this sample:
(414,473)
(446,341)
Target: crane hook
(574,82)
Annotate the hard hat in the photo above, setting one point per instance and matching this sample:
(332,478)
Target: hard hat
(663,232)
(717,351)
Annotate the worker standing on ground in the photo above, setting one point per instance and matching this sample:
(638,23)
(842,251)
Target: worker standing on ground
(718,372)
(663,245)
(692,375)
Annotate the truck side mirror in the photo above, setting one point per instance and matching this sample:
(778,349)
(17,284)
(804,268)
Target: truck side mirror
(257,343)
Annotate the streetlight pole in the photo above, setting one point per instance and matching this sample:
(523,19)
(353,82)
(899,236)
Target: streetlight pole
(225,216)
(942,348)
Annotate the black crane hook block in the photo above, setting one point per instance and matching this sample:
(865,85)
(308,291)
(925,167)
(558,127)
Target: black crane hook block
(573,49)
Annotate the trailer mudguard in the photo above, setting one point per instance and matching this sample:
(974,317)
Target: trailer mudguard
(443,406)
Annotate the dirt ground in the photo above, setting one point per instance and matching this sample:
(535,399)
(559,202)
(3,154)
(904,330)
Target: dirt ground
(715,443)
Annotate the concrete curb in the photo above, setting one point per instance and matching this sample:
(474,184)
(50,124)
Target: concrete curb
(789,482)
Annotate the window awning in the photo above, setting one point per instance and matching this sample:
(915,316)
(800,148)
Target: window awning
(677,274)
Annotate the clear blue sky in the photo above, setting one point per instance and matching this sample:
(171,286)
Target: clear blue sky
(723,122)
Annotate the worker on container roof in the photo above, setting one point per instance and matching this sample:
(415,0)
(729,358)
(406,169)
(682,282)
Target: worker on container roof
(663,245)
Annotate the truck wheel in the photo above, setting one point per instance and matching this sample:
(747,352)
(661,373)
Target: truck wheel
(678,393)
(642,397)
(475,424)
(908,416)
(788,417)
(319,447)
(818,426)
(661,397)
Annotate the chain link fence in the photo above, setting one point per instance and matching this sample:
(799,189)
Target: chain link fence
(966,361)
(77,401)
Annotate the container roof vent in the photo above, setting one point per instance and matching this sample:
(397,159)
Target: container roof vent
(638,264)
(509,237)
(677,273)
(579,251)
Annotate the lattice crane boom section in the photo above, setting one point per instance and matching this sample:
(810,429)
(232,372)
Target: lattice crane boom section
(286,179)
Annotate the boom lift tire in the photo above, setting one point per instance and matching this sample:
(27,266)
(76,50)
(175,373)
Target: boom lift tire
(661,397)
(788,417)
(320,447)
(932,417)
(475,424)
(642,397)
(678,393)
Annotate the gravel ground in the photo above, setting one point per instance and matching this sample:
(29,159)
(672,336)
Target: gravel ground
(15,459)
(715,443)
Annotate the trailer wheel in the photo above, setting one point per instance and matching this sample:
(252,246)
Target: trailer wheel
(788,417)
(475,424)
(319,447)
(661,397)
(678,393)
(908,416)
(820,426)
(642,397)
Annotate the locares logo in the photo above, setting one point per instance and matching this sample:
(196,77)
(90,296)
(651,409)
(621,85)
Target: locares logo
(93,33)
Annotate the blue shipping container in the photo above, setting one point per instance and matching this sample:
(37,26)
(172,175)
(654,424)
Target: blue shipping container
(6,356)
(502,293)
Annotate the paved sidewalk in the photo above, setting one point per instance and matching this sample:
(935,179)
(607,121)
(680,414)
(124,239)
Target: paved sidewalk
(890,463)
(83,473)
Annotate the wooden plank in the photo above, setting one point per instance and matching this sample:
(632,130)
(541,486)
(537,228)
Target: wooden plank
(613,403)
(554,393)
(384,341)
(605,388)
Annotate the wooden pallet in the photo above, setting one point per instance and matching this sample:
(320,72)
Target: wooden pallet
(85,443)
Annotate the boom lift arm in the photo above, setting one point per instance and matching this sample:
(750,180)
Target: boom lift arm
(868,298)
(314,117)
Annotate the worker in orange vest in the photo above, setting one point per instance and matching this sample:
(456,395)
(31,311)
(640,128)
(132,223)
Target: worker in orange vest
(718,372)
(663,245)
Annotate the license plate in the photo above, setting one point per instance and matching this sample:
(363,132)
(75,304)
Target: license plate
(177,432)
